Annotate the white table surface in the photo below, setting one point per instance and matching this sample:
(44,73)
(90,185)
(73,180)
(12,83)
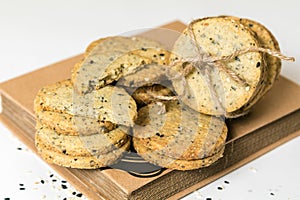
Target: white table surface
(37,33)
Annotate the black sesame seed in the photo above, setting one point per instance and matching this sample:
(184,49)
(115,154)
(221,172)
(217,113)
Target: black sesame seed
(21,184)
(42,181)
(219,188)
(19,148)
(250,25)
(79,195)
(161,54)
(22,188)
(208,198)
(227,182)
(74,193)
(51,175)
(91,62)
(64,186)
(258,64)
(64,151)
(272,194)
(6,198)
(63,181)
(143,49)
(54,180)
(65,198)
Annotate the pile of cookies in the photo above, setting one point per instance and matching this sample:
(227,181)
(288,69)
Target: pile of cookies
(87,125)
(83,133)
(234,88)
(168,106)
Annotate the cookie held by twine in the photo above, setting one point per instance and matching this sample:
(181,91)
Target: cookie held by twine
(218,66)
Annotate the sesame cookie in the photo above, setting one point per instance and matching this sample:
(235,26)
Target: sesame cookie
(180,133)
(80,145)
(83,162)
(218,37)
(145,76)
(162,160)
(67,124)
(112,104)
(273,64)
(145,95)
(111,58)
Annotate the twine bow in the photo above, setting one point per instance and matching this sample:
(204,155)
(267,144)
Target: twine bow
(204,63)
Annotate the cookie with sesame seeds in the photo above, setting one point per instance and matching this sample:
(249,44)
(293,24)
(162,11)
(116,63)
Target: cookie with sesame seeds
(145,95)
(64,123)
(162,160)
(273,64)
(145,76)
(110,103)
(213,90)
(180,133)
(95,144)
(83,162)
(113,57)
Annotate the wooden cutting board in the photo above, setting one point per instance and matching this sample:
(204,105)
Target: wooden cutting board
(274,120)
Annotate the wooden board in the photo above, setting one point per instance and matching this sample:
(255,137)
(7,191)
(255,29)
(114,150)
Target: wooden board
(273,121)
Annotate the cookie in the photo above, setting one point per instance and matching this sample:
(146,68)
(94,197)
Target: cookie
(180,133)
(218,37)
(149,81)
(273,64)
(177,164)
(83,162)
(81,145)
(146,95)
(145,76)
(113,57)
(69,125)
(112,104)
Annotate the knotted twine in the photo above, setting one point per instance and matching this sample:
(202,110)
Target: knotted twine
(204,63)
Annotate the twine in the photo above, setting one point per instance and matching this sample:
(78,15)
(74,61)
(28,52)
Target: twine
(204,63)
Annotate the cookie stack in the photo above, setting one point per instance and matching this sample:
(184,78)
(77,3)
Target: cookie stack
(86,135)
(191,133)
(233,89)
(85,122)
(180,138)
(107,60)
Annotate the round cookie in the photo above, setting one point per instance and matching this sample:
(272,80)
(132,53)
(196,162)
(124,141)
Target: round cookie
(113,57)
(149,81)
(65,123)
(110,103)
(83,162)
(145,76)
(180,133)
(273,64)
(80,145)
(218,37)
(178,164)
(145,95)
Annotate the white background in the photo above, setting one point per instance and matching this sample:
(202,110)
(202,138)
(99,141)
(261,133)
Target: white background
(37,33)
